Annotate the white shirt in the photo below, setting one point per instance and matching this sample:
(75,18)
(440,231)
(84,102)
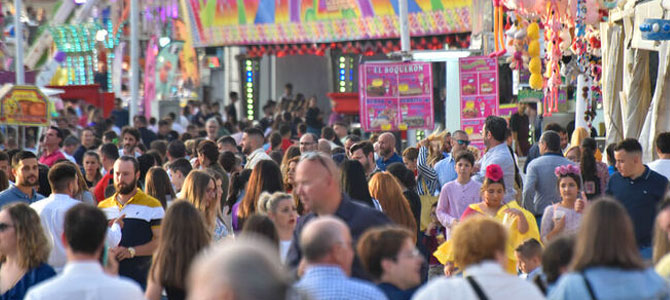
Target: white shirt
(52,214)
(501,156)
(68,157)
(85,281)
(492,279)
(177,127)
(661,166)
(284,246)
(123,153)
(255,157)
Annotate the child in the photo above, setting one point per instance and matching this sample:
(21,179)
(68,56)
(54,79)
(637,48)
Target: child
(529,259)
(457,195)
(433,237)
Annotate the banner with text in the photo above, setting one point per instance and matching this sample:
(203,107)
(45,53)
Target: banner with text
(479,95)
(252,22)
(396,96)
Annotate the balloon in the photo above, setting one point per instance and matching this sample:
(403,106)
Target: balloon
(536,81)
(535,66)
(533,31)
(534,48)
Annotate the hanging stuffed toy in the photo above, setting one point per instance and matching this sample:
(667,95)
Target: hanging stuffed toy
(553,28)
(516,36)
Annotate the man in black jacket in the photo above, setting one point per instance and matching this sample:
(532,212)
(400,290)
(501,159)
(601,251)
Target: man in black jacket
(317,183)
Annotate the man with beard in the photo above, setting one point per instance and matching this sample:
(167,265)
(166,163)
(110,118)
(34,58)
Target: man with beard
(308,143)
(130,138)
(143,215)
(364,153)
(252,147)
(387,154)
(26,171)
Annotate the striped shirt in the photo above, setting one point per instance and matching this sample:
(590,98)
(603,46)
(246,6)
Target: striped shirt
(427,175)
(143,214)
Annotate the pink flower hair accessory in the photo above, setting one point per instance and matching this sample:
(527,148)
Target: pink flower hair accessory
(566,169)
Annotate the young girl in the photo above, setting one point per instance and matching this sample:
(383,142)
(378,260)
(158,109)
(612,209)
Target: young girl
(565,216)
(520,223)
(457,195)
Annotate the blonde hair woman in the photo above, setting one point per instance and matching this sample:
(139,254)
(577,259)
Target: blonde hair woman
(200,190)
(24,251)
(281,209)
(483,244)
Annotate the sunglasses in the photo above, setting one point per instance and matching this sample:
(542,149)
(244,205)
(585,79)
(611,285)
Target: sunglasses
(4,226)
(463,142)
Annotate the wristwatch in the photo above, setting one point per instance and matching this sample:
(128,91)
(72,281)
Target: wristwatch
(132,252)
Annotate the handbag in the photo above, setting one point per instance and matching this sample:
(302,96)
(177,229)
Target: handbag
(427,201)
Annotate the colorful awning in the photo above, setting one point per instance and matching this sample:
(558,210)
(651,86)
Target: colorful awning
(257,22)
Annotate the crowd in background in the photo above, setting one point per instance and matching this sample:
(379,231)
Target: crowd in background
(206,204)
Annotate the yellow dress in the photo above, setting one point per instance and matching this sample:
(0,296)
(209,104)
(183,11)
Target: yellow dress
(445,254)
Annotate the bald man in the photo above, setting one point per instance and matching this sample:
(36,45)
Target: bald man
(317,184)
(387,154)
(244,268)
(327,247)
(324,146)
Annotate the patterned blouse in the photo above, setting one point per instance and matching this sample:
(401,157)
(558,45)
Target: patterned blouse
(551,214)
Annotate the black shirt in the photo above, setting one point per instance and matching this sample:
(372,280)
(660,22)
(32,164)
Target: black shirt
(520,124)
(231,113)
(357,216)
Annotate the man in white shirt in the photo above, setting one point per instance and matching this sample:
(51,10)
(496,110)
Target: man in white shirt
(252,147)
(63,180)
(495,131)
(83,276)
(70,145)
(662,164)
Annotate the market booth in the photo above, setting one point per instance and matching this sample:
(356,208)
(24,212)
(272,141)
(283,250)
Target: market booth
(636,57)
(318,46)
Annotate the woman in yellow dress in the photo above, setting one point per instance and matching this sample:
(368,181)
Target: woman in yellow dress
(520,223)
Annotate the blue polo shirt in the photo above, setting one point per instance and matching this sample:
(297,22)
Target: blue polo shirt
(640,197)
(14,194)
(382,164)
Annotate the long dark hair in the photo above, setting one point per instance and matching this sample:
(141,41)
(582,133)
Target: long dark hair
(403,174)
(588,165)
(354,181)
(238,183)
(158,185)
(265,177)
(263,226)
(183,235)
(606,238)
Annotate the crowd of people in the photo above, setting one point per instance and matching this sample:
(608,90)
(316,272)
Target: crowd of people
(209,205)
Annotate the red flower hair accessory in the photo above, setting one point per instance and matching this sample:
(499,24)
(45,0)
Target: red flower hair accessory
(494,172)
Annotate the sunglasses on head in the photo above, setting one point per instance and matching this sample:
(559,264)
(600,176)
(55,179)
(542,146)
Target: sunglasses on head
(4,226)
(463,142)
